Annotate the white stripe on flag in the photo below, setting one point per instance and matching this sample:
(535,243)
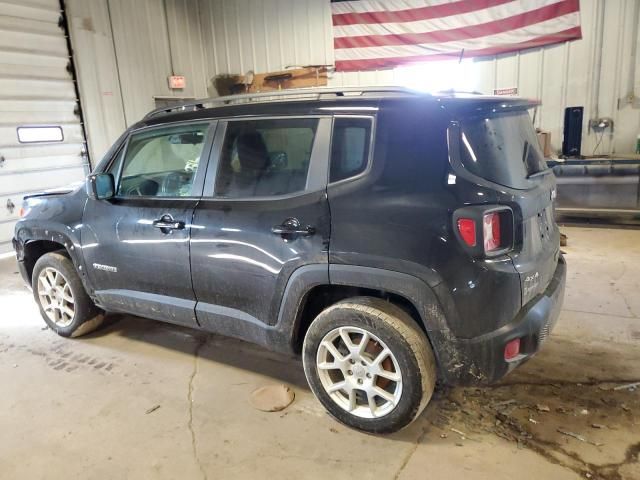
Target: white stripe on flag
(364,6)
(554,25)
(444,23)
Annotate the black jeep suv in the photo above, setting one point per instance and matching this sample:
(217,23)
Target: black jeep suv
(393,238)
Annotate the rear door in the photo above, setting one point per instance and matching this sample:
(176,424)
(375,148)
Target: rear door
(136,245)
(503,149)
(264,214)
(42,144)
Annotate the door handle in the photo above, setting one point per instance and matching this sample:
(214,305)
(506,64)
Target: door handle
(292,226)
(166,222)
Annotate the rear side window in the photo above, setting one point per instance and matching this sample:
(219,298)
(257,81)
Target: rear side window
(349,147)
(265,157)
(503,149)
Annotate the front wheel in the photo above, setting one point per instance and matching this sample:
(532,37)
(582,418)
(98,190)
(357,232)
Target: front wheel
(64,304)
(369,364)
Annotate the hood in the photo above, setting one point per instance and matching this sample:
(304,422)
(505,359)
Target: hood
(71,188)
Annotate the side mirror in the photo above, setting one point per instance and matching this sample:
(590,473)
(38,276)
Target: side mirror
(100,186)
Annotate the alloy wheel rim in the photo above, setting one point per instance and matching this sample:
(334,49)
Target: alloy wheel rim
(56,297)
(359,372)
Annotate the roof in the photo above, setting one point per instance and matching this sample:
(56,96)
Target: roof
(295,100)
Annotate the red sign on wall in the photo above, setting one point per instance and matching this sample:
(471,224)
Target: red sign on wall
(177,81)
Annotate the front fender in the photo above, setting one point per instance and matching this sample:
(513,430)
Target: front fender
(56,219)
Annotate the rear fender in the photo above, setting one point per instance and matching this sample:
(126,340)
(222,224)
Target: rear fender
(421,296)
(411,288)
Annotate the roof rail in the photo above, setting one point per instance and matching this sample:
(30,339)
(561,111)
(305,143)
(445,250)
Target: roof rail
(279,95)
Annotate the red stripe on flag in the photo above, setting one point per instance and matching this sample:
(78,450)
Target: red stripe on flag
(381,63)
(463,33)
(415,14)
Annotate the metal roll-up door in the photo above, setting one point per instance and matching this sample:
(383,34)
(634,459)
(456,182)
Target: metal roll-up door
(42,143)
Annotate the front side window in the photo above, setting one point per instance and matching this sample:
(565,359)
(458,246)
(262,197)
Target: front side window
(265,157)
(349,147)
(161,162)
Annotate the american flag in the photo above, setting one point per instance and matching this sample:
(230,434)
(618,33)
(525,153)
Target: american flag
(377,34)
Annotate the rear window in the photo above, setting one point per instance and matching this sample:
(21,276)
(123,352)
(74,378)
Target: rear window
(503,149)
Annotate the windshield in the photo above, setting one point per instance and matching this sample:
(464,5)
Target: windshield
(503,149)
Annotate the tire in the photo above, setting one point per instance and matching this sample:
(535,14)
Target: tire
(64,304)
(332,378)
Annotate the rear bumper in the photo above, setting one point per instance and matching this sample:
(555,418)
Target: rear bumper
(481,359)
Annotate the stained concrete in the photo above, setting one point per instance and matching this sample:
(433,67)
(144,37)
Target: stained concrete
(141,399)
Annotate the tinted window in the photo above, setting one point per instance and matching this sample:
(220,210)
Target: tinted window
(349,147)
(265,157)
(162,162)
(503,149)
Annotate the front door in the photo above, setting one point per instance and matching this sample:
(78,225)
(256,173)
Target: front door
(267,216)
(136,245)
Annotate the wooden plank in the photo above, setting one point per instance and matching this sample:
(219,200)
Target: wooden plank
(280,80)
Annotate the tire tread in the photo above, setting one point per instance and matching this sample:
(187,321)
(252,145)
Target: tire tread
(89,316)
(377,311)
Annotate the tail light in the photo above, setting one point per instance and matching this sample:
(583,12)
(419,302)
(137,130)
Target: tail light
(24,209)
(467,229)
(512,349)
(485,231)
(491,231)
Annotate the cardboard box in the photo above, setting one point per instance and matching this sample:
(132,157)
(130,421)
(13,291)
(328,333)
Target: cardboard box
(544,139)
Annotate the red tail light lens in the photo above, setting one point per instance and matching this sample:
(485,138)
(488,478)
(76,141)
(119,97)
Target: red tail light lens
(485,230)
(491,231)
(467,229)
(512,349)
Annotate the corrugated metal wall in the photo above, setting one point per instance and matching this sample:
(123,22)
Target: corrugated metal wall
(124,53)
(265,35)
(203,38)
(268,35)
(36,89)
(97,71)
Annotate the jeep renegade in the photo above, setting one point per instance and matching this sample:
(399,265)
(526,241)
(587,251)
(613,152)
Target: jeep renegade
(394,239)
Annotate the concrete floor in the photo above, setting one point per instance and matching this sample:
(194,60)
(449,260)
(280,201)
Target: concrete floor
(77,408)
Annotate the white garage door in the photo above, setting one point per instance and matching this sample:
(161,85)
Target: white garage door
(41,137)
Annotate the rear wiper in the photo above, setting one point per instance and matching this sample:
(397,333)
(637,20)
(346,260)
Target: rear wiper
(540,173)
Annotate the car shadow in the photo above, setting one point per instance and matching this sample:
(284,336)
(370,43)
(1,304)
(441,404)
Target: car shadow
(562,360)
(210,347)
(565,366)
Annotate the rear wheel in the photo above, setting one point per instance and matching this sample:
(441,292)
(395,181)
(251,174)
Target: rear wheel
(64,304)
(369,364)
